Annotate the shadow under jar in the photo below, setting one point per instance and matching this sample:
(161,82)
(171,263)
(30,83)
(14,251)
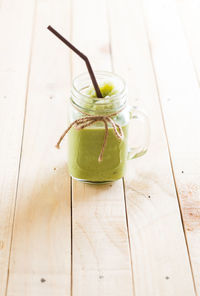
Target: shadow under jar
(85,144)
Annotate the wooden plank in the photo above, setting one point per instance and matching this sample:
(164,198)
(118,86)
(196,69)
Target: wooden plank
(189,180)
(181,104)
(189,14)
(101,262)
(160,260)
(101,259)
(41,248)
(15,32)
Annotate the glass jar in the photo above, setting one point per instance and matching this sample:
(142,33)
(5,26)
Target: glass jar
(97,147)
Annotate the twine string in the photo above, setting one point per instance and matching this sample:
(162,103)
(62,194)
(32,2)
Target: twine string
(88,120)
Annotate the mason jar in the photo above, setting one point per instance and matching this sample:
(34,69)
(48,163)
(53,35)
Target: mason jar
(99,130)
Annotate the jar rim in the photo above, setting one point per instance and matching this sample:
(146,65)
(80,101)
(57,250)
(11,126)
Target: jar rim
(86,74)
(80,99)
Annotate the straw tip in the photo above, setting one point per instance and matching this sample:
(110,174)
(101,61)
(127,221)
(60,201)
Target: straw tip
(100,159)
(57,146)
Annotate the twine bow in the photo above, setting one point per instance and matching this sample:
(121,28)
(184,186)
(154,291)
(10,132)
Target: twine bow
(86,121)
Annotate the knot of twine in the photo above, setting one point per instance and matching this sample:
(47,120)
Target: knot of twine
(88,120)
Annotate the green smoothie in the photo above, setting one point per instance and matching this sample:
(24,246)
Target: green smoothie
(84,146)
(83,151)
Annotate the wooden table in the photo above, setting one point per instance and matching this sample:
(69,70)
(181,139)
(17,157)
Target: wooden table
(139,236)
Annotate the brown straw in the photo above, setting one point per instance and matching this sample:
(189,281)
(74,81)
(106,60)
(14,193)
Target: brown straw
(92,76)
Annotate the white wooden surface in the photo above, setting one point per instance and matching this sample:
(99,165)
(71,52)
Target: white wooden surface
(180,97)
(40,259)
(189,187)
(16,35)
(138,236)
(158,249)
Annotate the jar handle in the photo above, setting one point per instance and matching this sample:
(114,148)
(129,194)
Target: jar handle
(142,134)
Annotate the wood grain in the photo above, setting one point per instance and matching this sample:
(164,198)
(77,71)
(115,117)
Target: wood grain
(180,98)
(188,11)
(40,261)
(120,246)
(101,259)
(157,238)
(15,32)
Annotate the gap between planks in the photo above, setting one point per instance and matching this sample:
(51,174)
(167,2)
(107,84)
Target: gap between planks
(128,233)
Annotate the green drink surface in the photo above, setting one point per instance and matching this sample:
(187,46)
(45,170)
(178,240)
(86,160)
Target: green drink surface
(107,89)
(84,147)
